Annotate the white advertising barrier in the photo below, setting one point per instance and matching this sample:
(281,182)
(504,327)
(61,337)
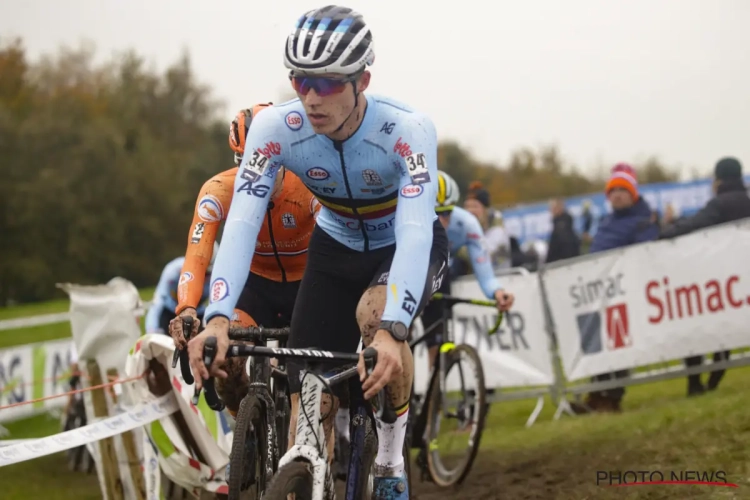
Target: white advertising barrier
(30,372)
(104,328)
(209,429)
(653,302)
(518,354)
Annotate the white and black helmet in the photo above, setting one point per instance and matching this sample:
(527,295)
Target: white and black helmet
(331,39)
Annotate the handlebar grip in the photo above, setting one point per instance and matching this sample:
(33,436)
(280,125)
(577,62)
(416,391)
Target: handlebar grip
(383,411)
(371,359)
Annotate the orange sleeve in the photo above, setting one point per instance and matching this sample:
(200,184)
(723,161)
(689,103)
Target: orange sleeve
(211,209)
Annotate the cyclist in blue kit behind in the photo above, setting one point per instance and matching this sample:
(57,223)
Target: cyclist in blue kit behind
(463,230)
(377,247)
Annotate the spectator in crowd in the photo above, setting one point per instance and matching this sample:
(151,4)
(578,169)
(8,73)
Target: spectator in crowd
(629,223)
(496,237)
(731,202)
(587,220)
(563,241)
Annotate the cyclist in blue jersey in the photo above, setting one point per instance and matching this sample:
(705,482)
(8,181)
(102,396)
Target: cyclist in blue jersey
(464,230)
(165,299)
(377,247)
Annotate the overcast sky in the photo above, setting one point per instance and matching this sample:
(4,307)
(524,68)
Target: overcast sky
(607,81)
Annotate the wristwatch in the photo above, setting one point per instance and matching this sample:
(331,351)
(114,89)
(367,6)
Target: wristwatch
(397,329)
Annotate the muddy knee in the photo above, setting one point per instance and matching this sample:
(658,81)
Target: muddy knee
(370,310)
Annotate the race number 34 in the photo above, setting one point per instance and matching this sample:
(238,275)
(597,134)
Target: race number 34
(253,169)
(417,165)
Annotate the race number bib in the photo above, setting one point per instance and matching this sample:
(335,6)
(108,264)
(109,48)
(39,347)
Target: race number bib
(417,165)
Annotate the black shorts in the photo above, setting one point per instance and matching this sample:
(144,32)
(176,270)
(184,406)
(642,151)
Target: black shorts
(335,279)
(270,303)
(433,314)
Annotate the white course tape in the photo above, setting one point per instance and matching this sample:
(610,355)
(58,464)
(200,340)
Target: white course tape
(140,415)
(9,442)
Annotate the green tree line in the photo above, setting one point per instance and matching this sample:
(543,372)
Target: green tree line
(101,165)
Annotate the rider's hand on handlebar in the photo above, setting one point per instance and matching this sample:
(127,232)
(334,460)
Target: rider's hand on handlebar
(175,328)
(218,327)
(387,368)
(504,300)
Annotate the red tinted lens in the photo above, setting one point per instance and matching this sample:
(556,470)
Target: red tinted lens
(322,86)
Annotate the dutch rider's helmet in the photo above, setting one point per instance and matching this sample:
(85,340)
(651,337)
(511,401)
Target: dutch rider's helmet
(331,39)
(447,193)
(239,127)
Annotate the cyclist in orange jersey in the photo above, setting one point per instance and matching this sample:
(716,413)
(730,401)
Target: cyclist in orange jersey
(271,289)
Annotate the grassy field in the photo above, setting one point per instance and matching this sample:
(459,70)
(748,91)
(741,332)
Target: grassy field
(659,430)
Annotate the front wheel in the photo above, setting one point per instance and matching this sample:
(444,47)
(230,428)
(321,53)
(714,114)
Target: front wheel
(247,465)
(294,478)
(455,417)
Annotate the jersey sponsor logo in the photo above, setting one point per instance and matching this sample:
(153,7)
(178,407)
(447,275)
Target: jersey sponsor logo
(318,174)
(288,221)
(402,148)
(271,149)
(409,304)
(271,171)
(387,128)
(197,232)
(383,280)
(323,189)
(355,226)
(411,190)
(219,290)
(210,209)
(294,120)
(260,191)
(185,278)
(417,165)
(437,280)
(371,177)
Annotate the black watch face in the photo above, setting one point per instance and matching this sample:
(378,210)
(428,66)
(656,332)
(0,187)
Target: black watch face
(400,331)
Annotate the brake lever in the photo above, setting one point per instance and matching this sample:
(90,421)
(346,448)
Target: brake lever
(210,350)
(182,354)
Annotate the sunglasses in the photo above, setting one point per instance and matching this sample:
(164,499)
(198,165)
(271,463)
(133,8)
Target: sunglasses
(321,85)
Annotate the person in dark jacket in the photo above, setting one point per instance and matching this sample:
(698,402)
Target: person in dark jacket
(730,203)
(630,222)
(563,241)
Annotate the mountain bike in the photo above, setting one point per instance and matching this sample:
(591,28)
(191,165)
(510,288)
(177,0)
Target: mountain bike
(304,469)
(456,377)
